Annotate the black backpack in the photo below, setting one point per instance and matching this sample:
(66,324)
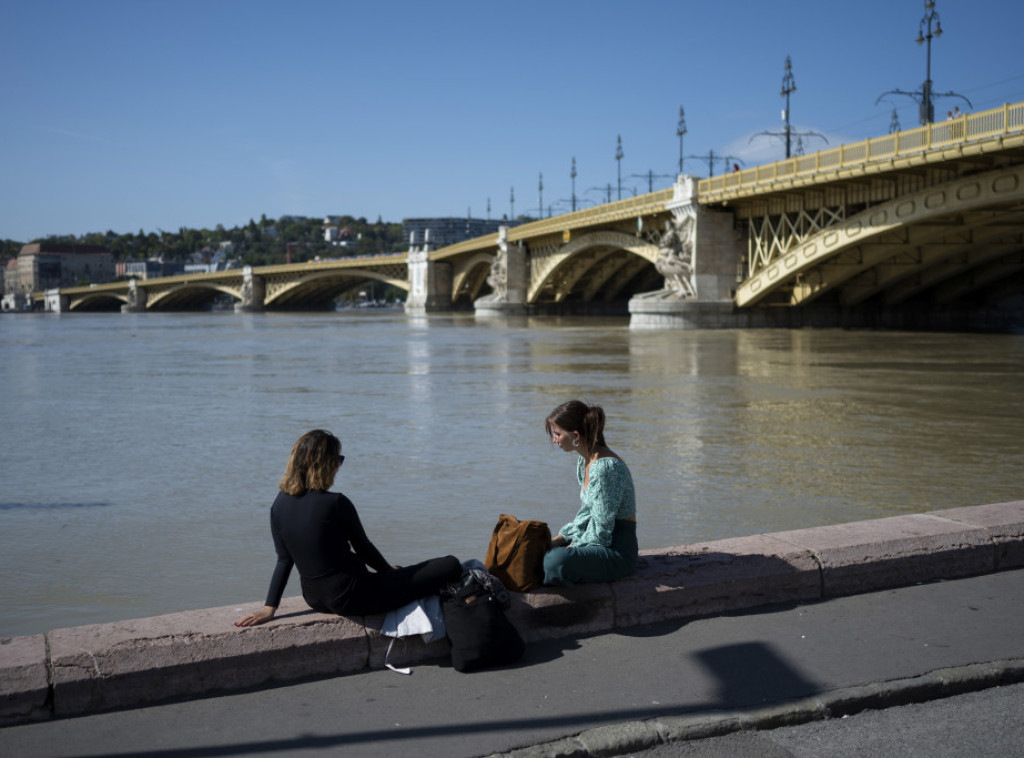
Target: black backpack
(478,631)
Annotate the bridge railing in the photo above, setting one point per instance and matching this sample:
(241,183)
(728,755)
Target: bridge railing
(631,207)
(616,211)
(1007,119)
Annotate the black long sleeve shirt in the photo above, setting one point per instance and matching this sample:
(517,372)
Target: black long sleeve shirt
(319,533)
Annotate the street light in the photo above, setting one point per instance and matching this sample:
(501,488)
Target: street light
(711,160)
(512,203)
(680,131)
(788,87)
(925,97)
(894,125)
(618,163)
(927,107)
(540,195)
(572,174)
(787,133)
(650,176)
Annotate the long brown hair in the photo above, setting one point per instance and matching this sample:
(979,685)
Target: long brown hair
(312,464)
(577,416)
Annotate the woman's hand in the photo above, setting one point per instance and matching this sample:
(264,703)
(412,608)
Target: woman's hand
(259,617)
(559,541)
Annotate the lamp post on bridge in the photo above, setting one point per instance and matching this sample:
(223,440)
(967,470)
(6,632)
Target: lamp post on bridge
(512,205)
(894,124)
(680,131)
(710,157)
(927,115)
(650,176)
(925,97)
(618,163)
(540,195)
(572,175)
(787,133)
(788,87)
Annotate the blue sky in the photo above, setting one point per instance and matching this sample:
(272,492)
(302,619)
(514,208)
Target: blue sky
(151,114)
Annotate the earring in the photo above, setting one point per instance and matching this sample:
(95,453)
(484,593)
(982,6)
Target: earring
(576,442)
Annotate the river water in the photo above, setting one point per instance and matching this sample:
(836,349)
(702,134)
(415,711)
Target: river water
(141,452)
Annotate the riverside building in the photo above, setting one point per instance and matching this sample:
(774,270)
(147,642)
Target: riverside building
(48,265)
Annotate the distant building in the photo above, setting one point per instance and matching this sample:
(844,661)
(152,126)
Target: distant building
(218,262)
(338,236)
(440,232)
(48,265)
(151,269)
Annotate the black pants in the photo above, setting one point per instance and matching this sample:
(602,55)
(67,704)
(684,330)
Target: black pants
(380,593)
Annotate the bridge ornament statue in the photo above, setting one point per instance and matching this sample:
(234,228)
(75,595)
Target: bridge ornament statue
(675,261)
(137,297)
(498,277)
(507,279)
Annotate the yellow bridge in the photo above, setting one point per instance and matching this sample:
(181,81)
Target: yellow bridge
(915,221)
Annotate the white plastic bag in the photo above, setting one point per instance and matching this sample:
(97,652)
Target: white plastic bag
(422,617)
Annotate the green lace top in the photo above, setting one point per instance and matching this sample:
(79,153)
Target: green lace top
(608,496)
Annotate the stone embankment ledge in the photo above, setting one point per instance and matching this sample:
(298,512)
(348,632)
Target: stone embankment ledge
(138,662)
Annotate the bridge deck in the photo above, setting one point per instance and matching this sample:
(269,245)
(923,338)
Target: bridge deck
(977,133)
(641,205)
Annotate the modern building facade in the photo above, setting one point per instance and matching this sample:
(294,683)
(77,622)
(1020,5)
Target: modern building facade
(150,269)
(439,232)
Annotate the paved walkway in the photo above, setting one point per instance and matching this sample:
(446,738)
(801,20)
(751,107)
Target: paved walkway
(621,692)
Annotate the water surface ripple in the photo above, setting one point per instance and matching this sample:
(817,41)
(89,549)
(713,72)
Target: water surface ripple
(142,451)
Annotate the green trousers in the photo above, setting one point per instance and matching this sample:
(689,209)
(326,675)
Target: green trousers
(565,566)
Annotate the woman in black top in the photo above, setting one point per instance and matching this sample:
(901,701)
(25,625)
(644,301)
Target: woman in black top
(319,532)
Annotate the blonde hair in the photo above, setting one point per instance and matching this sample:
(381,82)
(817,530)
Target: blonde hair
(312,464)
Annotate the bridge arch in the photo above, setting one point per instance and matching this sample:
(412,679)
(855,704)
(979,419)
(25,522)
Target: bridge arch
(100,301)
(598,264)
(317,289)
(188,296)
(470,277)
(880,247)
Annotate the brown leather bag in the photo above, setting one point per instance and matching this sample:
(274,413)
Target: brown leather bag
(516,552)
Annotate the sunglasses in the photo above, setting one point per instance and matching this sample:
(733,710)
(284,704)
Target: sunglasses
(341,459)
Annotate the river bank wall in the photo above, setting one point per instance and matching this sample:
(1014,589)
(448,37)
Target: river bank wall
(125,664)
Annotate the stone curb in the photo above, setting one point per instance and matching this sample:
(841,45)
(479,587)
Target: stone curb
(633,736)
(139,662)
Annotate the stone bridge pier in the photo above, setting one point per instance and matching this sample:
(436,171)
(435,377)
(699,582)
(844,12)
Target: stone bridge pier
(430,282)
(701,256)
(509,279)
(254,292)
(137,298)
(55,302)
